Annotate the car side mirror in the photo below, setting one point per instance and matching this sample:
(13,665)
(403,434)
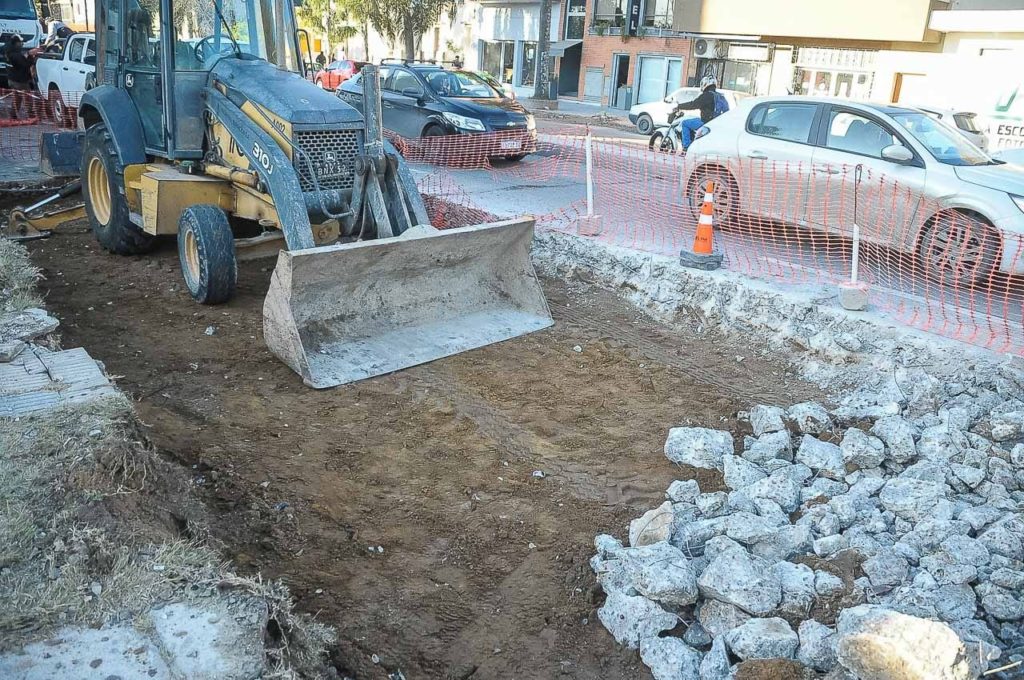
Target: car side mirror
(897,153)
(414,92)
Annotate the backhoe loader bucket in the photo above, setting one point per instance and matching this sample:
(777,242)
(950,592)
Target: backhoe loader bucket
(341,313)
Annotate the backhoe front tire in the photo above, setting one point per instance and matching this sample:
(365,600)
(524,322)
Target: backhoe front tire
(104,193)
(206,250)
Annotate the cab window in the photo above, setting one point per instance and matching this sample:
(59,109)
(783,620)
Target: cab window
(75,49)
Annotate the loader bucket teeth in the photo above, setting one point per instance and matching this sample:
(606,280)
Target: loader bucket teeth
(342,313)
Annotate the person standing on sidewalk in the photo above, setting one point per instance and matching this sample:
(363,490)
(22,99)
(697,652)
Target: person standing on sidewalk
(19,75)
(709,102)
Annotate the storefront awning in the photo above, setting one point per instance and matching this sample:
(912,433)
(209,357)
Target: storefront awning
(557,49)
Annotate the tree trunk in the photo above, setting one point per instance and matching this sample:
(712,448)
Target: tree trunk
(540,90)
(366,41)
(409,34)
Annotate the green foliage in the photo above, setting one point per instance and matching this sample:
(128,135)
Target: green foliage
(406,20)
(337,19)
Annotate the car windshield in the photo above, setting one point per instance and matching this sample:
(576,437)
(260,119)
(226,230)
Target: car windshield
(946,144)
(17,9)
(461,84)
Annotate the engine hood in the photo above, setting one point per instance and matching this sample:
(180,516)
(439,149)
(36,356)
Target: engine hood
(288,95)
(487,108)
(1004,177)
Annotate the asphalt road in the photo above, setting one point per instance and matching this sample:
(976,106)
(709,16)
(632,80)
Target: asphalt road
(638,196)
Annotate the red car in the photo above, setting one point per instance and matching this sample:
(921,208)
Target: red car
(337,72)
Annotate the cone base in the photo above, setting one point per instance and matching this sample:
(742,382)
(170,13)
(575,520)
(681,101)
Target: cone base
(699,261)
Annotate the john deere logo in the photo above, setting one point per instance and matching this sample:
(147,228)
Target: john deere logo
(330,157)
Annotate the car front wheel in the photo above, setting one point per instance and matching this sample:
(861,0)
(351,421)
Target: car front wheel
(959,248)
(724,192)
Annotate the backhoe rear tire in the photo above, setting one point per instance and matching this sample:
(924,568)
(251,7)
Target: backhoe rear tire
(206,250)
(104,193)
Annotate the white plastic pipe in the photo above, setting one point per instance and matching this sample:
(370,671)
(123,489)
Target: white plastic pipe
(590,174)
(855,265)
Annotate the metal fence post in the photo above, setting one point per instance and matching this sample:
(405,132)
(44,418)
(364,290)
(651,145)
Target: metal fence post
(590,173)
(853,295)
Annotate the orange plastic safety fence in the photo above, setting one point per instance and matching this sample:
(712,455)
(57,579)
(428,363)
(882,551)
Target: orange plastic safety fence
(929,264)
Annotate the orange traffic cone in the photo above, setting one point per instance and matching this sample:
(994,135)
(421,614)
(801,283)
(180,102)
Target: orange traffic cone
(703,241)
(703,255)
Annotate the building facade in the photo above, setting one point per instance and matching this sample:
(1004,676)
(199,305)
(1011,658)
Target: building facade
(638,50)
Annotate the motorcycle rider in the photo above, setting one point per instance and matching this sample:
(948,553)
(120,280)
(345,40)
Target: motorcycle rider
(709,102)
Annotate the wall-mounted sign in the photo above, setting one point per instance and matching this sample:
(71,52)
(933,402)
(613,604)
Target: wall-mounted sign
(633,27)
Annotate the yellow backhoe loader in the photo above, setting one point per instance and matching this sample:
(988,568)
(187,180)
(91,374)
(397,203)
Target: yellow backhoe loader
(202,126)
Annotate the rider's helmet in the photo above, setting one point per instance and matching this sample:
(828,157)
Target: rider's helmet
(707,81)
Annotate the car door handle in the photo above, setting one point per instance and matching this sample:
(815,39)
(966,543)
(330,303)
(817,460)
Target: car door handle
(757,155)
(826,169)
(65,68)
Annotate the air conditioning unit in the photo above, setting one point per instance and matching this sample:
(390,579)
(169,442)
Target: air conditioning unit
(710,48)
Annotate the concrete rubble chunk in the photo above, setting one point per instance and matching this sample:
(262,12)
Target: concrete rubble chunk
(912,499)
(669,580)
(764,419)
(715,664)
(713,505)
(1008,422)
(771,446)
(1001,604)
(809,417)
(880,644)
(1008,578)
(1001,539)
(631,619)
(739,579)
(718,618)
(696,636)
(861,449)
(955,602)
(827,584)
(817,646)
(830,545)
(698,447)
(670,658)
(748,528)
(966,549)
(740,472)
(822,457)
(798,592)
(10,349)
(681,491)
(26,325)
(886,569)
(653,526)
(947,569)
(770,638)
(786,542)
(691,536)
(898,436)
(778,487)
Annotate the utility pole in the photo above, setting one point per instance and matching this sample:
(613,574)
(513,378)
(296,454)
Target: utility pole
(540,88)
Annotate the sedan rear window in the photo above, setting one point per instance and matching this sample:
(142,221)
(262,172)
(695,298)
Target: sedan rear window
(791,122)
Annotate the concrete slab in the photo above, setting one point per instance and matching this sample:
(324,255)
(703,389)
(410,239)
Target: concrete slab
(38,379)
(211,642)
(87,654)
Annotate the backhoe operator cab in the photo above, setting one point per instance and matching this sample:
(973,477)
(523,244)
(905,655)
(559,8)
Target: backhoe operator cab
(200,114)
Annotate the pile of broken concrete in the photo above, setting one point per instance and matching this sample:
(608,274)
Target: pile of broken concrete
(880,540)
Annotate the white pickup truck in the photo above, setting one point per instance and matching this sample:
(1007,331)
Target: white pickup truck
(62,76)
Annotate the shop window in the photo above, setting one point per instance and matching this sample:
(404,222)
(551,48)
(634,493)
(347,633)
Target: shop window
(529,63)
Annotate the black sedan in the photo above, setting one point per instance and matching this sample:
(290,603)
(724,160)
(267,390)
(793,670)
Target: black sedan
(426,100)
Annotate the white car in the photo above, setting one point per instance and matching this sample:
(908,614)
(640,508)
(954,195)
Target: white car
(1014,156)
(793,160)
(965,122)
(648,116)
(62,76)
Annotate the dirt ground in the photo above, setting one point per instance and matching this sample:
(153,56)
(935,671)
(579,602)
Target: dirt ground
(405,510)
